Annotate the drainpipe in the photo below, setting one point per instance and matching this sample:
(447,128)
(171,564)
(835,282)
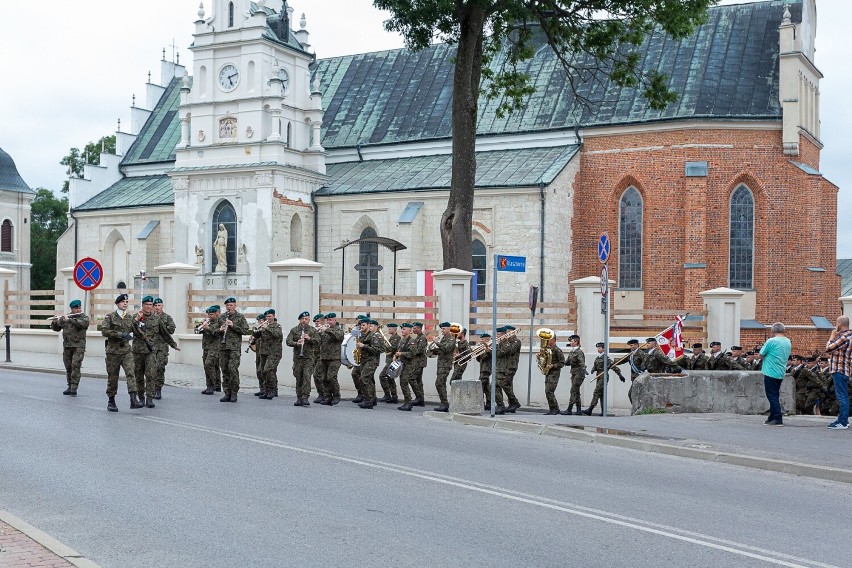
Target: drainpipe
(316,221)
(541,244)
(71,214)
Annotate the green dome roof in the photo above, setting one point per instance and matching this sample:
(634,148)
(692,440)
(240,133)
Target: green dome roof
(10,179)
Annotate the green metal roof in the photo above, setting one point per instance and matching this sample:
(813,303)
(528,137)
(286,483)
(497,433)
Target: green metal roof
(141,191)
(727,69)
(844,270)
(10,179)
(161,133)
(500,168)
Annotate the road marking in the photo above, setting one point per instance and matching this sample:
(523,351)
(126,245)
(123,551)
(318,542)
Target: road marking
(772,557)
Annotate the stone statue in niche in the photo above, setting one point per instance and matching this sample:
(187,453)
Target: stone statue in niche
(220,247)
(228,128)
(243,251)
(199,255)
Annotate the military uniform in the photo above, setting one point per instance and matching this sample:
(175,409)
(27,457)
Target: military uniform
(371,353)
(229,352)
(506,367)
(597,371)
(484,360)
(328,364)
(149,330)
(576,359)
(458,370)
(809,389)
(303,359)
(388,384)
(657,362)
(210,355)
(636,359)
(269,352)
(551,380)
(258,363)
(444,349)
(698,362)
(73,346)
(162,348)
(412,352)
(418,347)
(118,328)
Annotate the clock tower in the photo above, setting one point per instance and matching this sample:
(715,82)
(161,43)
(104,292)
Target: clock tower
(249,156)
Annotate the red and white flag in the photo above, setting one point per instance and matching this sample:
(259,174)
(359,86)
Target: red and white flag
(671,340)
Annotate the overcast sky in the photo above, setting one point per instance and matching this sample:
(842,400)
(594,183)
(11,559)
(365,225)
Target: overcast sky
(71,68)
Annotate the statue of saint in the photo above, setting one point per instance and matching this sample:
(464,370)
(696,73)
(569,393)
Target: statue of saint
(199,255)
(220,247)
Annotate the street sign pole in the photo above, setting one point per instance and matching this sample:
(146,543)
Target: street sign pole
(606,342)
(533,304)
(494,339)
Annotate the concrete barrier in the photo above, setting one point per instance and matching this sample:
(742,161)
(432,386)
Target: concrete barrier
(737,392)
(466,397)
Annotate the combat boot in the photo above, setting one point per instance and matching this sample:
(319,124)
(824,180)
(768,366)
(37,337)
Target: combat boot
(386,398)
(588,411)
(149,402)
(500,409)
(275,391)
(135,402)
(306,402)
(326,401)
(158,394)
(73,392)
(406,406)
(393,400)
(226,398)
(208,390)
(299,402)
(335,400)
(67,391)
(443,407)
(513,407)
(217,388)
(233,397)
(367,404)
(359,398)
(552,412)
(260,393)
(567,411)
(418,402)
(319,399)
(111,406)
(267,395)
(579,409)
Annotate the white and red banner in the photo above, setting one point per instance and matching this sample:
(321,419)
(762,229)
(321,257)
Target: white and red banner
(671,340)
(425,287)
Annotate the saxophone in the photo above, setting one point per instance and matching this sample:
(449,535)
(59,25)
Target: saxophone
(544,357)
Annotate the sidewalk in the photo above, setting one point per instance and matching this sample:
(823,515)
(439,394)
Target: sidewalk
(22,544)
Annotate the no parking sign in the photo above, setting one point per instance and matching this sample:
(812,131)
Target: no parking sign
(88,274)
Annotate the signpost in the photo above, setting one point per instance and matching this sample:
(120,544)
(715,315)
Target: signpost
(604,249)
(88,275)
(533,304)
(502,263)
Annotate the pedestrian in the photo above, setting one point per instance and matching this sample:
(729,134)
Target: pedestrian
(775,353)
(840,347)
(73,328)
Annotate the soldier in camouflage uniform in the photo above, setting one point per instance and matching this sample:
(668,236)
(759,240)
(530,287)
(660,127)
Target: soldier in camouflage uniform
(597,371)
(210,351)
(304,341)
(513,369)
(269,336)
(148,331)
(809,387)
(73,330)
(319,321)
(656,361)
(232,326)
(636,359)
(444,350)
(737,361)
(406,355)
(575,359)
(355,372)
(118,329)
(372,346)
(462,346)
(389,384)
(507,349)
(258,362)
(551,376)
(329,359)
(485,370)
(697,362)
(418,347)
(162,347)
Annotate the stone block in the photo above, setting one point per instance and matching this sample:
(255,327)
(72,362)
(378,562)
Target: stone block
(734,392)
(466,397)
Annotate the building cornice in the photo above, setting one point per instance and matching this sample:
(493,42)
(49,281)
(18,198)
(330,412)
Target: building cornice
(804,59)
(414,194)
(669,126)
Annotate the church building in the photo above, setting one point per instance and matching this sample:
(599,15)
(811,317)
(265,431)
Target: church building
(16,199)
(265,152)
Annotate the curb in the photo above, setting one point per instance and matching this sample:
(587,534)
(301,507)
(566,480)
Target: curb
(67,553)
(768,464)
(51,370)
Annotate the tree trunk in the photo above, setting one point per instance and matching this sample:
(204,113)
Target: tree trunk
(458,217)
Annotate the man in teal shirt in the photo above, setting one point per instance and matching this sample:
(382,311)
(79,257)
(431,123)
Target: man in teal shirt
(774,354)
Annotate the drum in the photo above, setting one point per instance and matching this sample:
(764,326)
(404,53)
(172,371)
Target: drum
(395,369)
(347,350)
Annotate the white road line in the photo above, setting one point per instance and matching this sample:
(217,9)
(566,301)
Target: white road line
(772,557)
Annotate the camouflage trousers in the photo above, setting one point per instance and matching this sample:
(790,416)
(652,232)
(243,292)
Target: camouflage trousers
(326,371)
(551,381)
(576,382)
(146,372)
(368,379)
(458,372)
(258,368)
(268,372)
(318,382)
(229,362)
(212,373)
(114,363)
(388,384)
(406,378)
(505,383)
(303,367)
(597,396)
(73,359)
(485,379)
(356,379)
(416,382)
(162,361)
(441,381)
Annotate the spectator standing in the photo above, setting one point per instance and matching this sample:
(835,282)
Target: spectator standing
(840,347)
(775,353)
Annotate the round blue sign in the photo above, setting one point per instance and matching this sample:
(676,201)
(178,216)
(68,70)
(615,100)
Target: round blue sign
(88,274)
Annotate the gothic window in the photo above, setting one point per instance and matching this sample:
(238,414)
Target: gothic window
(630,239)
(6,236)
(226,216)
(741,239)
(230,14)
(368,263)
(289,133)
(480,269)
(296,234)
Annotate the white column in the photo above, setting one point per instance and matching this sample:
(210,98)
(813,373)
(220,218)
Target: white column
(7,279)
(295,287)
(65,281)
(317,144)
(590,320)
(184,133)
(175,279)
(846,301)
(723,315)
(452,286)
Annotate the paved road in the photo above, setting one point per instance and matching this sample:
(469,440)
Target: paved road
(196,482)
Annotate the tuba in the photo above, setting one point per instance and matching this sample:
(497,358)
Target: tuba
(544,358)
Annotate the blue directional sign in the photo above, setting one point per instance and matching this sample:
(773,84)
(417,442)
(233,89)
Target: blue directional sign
(603,248)
(88,274)
(511,263)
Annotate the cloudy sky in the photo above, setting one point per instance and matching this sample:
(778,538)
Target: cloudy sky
(71,68)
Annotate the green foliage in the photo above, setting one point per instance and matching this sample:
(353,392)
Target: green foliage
(48,220)
(91,154)
(651,411)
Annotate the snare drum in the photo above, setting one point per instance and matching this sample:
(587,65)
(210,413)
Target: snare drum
(347,350)
(395,369)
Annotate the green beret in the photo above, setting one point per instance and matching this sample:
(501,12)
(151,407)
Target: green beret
(406,324)
(501,329)
(148,299)
(416,324)
(510,328)
(391,324)
(330,315)
(361,318)
(75,304)
(158,301)
(444,324)
(318,317)
(374,322)
(485,335)
(301,315)
(261,316)
(212,309)
(230,300)
(216,307)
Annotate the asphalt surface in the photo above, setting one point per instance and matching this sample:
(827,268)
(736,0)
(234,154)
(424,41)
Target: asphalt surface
(196,482)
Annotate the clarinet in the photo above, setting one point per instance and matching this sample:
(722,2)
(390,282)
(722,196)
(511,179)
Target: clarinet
(302,349)
(225,325)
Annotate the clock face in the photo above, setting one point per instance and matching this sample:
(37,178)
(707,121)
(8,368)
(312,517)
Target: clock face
(229,78)
(285,78)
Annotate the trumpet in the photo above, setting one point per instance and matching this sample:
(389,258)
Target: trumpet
(430,348)
(322,328)
(203,326)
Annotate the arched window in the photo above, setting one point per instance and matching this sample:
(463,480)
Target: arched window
(480,269)
(226,216)
(741,236)
(230,14)
(368,264)
(630,239)
(6,236)
(296,234)
(289,133)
